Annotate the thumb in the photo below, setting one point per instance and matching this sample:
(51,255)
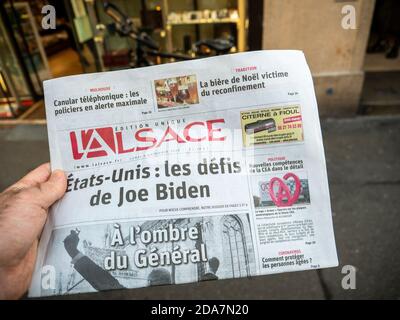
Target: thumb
(52,189)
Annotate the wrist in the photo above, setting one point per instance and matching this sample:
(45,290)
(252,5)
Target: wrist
(73,252)
(77,257)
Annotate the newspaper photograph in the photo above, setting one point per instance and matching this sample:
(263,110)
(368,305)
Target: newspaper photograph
(185,172)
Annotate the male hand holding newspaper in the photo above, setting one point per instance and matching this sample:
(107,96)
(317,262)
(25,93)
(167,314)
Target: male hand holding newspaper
(23,212)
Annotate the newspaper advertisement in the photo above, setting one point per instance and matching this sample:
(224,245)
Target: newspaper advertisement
(184,172)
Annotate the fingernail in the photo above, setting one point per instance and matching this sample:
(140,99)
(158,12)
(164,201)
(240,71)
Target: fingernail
(58,174)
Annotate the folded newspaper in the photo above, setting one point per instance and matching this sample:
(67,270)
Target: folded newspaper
(197,170)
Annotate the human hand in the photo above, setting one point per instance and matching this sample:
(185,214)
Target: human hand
(23,213)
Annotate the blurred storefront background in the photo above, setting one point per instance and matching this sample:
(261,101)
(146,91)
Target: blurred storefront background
(352,47)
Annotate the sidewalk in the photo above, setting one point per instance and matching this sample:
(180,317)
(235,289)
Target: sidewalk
(363,159)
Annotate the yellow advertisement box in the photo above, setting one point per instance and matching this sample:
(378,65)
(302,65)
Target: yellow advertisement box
(272,125)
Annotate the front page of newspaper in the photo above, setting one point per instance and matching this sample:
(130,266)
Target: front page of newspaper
(197,170)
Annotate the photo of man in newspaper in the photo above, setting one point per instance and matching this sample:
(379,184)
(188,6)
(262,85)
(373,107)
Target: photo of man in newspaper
(176,91)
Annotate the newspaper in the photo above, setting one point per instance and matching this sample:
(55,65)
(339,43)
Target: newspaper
(197,170)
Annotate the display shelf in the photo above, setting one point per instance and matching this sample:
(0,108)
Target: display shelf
(203,21)
(240,21)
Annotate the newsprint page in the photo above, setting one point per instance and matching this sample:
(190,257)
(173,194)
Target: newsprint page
(198,170)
